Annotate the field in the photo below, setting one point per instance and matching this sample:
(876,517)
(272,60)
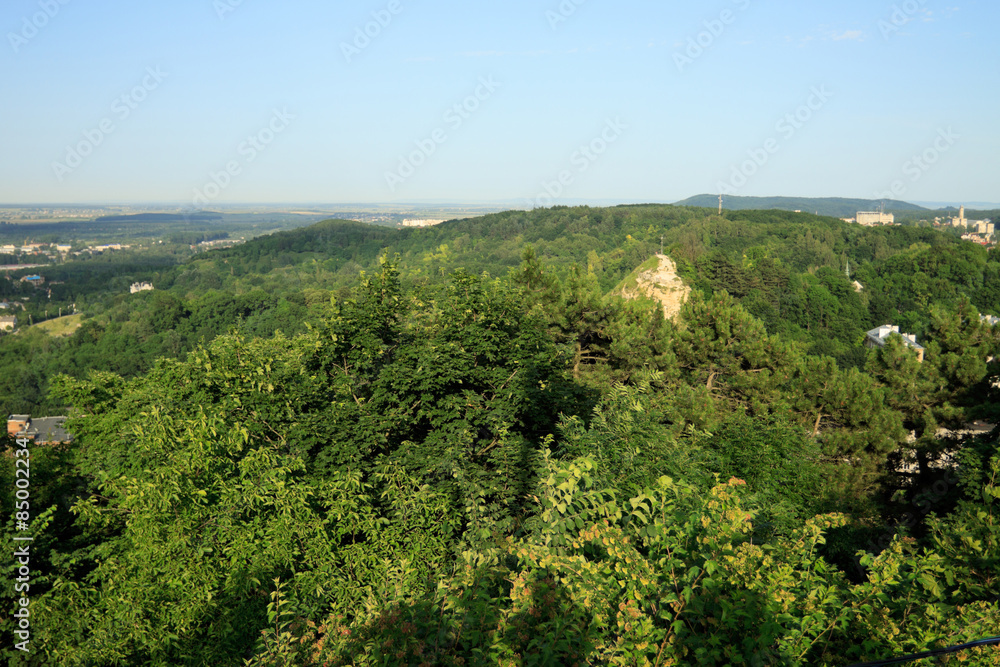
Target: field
(61,326)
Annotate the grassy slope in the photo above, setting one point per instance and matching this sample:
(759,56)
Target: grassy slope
(61,326)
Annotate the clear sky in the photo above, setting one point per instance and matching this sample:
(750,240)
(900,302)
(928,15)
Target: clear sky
(227,101)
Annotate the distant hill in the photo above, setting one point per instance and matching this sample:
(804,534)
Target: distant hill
(837,207)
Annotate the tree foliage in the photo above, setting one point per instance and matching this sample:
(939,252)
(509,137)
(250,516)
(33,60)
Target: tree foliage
(526,470)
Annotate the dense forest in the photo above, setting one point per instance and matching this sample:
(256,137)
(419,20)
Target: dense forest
(789,270)
(351,445)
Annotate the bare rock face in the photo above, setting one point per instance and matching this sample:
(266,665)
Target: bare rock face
(660,283)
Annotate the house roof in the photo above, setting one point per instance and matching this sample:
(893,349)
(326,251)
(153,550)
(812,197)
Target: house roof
(880,335)
(44,430)
(49,429)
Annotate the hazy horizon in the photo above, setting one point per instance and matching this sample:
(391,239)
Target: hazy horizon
(418,204)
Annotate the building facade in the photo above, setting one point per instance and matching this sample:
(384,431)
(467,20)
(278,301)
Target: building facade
(871,218)
(880,336)
(41,431)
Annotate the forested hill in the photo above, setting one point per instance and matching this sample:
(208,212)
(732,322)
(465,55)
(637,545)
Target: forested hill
(790,270)
(837,207)
(424,465)
(609,242)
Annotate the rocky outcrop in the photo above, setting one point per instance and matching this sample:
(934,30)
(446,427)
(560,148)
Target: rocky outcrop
(659,282)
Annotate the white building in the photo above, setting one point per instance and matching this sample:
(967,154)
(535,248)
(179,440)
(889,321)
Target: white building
(984,227)
(878,338)
(421,223)
(960,221)
(976,238)
(871,218)
(140,287)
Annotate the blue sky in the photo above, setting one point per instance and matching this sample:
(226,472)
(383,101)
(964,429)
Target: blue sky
(530,103)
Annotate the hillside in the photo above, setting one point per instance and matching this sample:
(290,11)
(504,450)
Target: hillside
(351,445)
(787,268)
(66,325)
(836,207)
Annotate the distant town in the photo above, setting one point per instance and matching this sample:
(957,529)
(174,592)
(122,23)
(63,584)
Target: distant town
(982,232)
